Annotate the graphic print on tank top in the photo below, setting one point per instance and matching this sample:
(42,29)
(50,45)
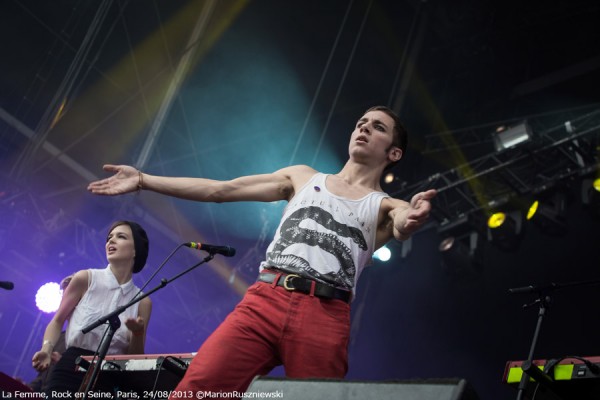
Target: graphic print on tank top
(320,229)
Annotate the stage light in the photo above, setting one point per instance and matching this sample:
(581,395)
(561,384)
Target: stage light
(532,209)
(504,230)
(590,195)
(383,254)
(389,177)
(461,255)
(547,214)
(505,138)
(48,296)
(447,243)
(496,220)
(460,245)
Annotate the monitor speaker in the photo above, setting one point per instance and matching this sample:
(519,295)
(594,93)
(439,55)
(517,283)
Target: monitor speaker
(334,389)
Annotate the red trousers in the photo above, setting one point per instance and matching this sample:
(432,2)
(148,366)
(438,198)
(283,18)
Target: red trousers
(269,327)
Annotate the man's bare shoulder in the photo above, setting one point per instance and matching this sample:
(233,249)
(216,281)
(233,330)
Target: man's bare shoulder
(297,170)
(297,176)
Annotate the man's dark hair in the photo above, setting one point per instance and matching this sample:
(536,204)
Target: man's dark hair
(400,134)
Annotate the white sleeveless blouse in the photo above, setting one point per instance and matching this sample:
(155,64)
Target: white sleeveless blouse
(104,294)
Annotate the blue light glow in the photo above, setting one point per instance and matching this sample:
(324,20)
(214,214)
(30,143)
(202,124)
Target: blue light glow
(383,254)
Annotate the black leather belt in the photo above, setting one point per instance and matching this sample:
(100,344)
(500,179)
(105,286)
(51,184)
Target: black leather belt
(293,282)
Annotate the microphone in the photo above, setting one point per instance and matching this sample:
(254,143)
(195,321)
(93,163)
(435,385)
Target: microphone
(224,250)
(10,286)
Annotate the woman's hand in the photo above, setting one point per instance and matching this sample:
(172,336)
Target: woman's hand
(135,325)
(41,360)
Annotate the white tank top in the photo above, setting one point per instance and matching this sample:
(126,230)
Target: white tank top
(104,294)
(326,237)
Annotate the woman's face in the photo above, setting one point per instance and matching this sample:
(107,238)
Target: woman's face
(120,247)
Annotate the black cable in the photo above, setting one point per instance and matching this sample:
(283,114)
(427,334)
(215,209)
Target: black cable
(157,270)
(172,364)
(548,368)
(159,366)
(175,365)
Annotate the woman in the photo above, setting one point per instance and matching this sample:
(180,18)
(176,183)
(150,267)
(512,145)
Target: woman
(91,294)
(39,383)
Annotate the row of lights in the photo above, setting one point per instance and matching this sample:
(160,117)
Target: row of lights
(460,249)
(505,227)
(548,214)
(462,239)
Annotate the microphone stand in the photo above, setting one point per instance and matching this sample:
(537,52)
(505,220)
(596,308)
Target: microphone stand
(543,300)
(114,323)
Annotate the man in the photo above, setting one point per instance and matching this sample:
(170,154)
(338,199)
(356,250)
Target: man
(297,313)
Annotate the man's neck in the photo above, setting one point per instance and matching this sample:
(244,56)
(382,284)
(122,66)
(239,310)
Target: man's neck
(361,175)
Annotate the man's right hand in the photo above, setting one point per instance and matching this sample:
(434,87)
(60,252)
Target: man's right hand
(124,180)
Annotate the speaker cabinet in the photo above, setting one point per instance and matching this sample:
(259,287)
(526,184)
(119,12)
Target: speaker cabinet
(334,389)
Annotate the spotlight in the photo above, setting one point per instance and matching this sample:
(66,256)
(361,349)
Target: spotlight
(505,138)
(461,256)
(459,246)
(504,230)
(590,195)
(496,220)
(548,214)
(389,177)
(532,209)
(383,254)
(48,297)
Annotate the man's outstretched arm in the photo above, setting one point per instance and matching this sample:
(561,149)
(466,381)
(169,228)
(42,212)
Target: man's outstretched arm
(402,219)
(411,216)
(278,185)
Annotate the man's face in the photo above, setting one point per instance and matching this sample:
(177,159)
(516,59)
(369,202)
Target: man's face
(372,139)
